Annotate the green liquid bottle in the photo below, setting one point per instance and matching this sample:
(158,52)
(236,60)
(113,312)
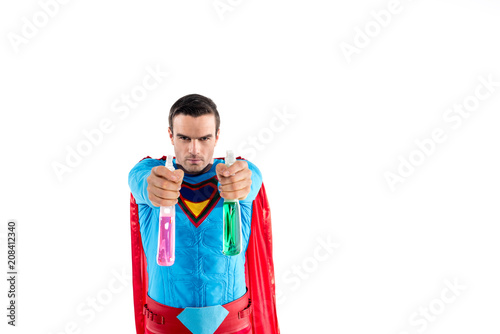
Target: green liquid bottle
(232,220)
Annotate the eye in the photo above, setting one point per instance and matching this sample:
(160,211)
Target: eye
(204,138)
(183,138)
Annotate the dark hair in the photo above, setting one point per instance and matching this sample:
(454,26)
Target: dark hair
(193,105)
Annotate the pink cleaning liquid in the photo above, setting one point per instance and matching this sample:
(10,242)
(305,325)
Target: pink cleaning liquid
(166,239)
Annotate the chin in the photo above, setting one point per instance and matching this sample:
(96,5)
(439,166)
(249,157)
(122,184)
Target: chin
(195,168)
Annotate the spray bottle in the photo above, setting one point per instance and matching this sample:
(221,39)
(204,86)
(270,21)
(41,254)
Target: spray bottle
(232,219)
(166,231)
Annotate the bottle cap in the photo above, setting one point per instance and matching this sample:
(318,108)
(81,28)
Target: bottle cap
(230,159)
(169,163)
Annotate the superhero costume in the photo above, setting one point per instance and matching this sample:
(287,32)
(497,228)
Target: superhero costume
(201,275)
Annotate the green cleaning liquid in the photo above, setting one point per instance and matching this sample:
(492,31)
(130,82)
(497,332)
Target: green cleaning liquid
(232,228)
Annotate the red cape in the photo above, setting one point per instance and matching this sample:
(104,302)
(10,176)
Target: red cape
(259,267)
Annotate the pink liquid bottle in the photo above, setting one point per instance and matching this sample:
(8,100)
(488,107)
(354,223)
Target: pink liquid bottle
(166,231)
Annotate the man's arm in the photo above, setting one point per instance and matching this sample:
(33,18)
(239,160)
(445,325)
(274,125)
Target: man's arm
(137,180)
(153,184)
(256,183)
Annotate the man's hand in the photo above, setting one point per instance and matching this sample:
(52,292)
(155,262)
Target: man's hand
(235,181)
(164,186)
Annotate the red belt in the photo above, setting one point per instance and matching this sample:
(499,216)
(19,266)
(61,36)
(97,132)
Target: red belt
(161,318)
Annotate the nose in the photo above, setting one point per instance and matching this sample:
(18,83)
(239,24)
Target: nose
(194,146)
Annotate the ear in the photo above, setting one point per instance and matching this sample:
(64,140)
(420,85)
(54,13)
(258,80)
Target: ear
(171,135)
(217,137)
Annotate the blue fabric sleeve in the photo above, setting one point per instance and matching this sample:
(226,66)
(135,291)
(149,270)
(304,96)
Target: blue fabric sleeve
(137,180)
(256,183)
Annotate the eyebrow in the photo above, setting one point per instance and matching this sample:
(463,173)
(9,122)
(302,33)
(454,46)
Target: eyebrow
(205,136)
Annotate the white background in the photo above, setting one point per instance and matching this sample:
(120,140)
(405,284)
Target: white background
(352,117)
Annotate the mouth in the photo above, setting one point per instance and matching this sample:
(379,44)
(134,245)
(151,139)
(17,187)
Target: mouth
(194,161)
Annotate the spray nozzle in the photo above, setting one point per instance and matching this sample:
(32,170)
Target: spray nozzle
(169,163)
(230,159)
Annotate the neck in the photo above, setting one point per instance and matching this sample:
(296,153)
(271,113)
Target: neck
(204,170)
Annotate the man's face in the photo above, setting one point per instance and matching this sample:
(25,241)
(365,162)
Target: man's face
(194,140)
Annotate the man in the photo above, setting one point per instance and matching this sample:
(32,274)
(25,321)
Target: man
(204,291)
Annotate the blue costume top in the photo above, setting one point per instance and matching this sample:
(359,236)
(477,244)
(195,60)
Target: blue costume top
(201,275)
